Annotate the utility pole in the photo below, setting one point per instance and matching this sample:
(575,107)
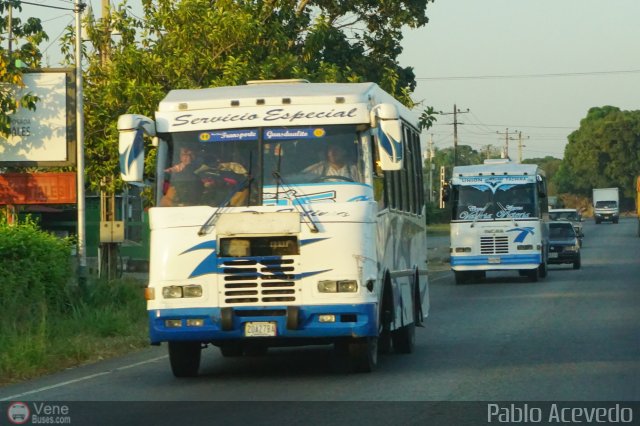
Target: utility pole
(520,146)
(106,20)
(111,230)
(455,123)
(430,153)
(10,30)
(505,153)
(82,244)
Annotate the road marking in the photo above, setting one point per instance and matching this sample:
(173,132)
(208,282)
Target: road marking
(440,277)
(81,379)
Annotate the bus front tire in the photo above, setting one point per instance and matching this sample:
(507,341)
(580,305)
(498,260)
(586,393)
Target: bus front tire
(542,270)
(533,274)
(185,358)
(404,339)
(363,353)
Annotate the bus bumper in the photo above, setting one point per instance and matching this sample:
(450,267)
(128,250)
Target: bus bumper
(320,322)
(495,262)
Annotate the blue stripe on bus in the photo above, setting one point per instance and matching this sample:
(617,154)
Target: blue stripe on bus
(365,324)
(510,259)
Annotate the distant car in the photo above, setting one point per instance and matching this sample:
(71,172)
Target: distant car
(564,245)
(572,215)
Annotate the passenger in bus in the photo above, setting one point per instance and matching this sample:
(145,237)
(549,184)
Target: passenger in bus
(221,179)
(184,187)
(337,166)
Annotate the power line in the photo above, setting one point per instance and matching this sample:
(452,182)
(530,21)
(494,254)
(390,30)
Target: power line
(46,5)
(455,123)
(546,75)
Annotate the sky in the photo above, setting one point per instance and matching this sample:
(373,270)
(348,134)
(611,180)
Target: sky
(550,61)
(531,68)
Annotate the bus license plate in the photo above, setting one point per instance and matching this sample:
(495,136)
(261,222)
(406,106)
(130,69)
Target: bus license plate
(494,260)
(260,329)
(553,255)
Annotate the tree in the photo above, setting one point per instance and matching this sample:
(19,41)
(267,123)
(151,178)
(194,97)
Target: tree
(550,165)
(209,43)
(427,118)
(603,152)
(24,39)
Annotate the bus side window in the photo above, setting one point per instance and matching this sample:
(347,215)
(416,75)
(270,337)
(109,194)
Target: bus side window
(379,191)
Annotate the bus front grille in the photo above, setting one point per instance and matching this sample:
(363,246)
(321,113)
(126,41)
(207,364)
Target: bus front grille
(248,281)
(494,245)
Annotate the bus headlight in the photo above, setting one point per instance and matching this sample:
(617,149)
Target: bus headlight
(338,286)
(463,249)
(327,286)
(172,292)
(181,291)
(192,291)
(347,286)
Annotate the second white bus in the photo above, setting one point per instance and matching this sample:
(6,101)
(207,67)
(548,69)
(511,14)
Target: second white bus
(499,212)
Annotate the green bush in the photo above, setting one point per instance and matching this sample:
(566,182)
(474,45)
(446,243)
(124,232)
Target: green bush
(47,322)
(434,214)
(35,268)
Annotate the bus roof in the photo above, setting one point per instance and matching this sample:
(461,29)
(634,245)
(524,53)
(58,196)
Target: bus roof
(509,169)
(272,93)
(273,103)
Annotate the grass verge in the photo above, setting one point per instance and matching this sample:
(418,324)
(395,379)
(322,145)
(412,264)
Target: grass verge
(108,320)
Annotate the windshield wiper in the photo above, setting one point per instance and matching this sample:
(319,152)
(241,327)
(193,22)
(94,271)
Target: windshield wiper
(296,202)
(508,214)
(475,219)
(204,229)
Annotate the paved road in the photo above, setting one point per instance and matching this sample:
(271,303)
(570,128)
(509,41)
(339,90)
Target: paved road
(573,336)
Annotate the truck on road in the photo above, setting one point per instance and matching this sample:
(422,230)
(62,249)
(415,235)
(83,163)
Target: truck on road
(606,205)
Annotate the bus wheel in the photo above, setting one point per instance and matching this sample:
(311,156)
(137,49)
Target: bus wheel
(384,321)
(185,358)
(404,339)
(364,354)
(533,274)
(542,269)
(384,335)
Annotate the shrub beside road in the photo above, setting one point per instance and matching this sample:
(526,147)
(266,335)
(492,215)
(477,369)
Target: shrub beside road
(48,322)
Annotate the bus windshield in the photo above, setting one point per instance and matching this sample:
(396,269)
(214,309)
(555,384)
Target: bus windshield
(227,167)
(480,202)
(311,155)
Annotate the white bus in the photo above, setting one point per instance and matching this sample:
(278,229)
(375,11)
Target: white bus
(288,213)
(499,211)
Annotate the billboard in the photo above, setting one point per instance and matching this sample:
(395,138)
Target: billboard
(45,137)
(38,188)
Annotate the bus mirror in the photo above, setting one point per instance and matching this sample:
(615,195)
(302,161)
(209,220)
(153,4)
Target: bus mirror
(542,187)
(446,191)
(389,136)
(131,128)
